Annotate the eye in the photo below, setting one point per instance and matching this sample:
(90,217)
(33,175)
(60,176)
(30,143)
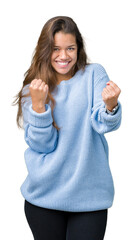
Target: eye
(56,49)
(70,48)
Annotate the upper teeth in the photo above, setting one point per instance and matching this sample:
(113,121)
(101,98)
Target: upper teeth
(63,63)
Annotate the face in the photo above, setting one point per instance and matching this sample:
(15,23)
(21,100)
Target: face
(64,55)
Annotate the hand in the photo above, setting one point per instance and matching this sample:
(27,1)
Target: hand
(110,95)
(38,91)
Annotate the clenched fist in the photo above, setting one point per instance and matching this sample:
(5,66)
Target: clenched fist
(38,91)
(110,95)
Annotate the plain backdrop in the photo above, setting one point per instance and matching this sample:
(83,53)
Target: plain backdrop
(108,28)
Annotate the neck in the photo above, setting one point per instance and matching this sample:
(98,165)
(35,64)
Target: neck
(63,77)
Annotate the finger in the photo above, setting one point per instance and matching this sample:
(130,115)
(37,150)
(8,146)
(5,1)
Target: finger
(41,87)
(116,89)
(112,84)
(106,91)
(105,94)
(46,88)
(110,89)
(33,82)
(38,83)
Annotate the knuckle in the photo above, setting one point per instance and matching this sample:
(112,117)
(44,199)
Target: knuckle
(43,84)
(31,86)
(39,80)
(34,80)
(119,91)
(40,88)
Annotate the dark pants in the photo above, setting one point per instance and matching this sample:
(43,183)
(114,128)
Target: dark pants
(48,224)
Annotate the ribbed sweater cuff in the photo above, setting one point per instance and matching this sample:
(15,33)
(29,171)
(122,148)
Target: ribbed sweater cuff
(110,118)
(40,119)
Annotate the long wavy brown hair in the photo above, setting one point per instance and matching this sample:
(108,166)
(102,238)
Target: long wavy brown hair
(41,61)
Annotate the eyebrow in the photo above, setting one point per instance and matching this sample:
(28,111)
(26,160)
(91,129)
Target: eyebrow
(73,45)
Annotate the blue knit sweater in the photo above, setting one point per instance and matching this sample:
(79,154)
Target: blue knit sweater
(69,169)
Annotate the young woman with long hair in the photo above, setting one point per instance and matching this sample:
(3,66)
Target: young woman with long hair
(67,105)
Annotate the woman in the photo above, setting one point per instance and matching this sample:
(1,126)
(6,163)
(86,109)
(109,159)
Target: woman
(67,106)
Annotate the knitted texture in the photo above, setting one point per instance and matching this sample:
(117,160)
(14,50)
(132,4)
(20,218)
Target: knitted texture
(69,169)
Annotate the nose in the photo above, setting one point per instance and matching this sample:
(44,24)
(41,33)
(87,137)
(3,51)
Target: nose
(63,54)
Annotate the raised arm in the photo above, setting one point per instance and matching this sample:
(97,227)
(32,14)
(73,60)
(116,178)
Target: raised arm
(40,134)
(105,96)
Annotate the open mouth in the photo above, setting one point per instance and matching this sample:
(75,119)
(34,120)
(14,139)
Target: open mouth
(63,64)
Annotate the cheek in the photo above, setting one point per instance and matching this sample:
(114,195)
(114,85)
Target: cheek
(75,58)
(52,57)
(53,60)
(75,55)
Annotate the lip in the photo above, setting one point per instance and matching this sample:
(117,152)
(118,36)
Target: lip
(62,66)
(63,61)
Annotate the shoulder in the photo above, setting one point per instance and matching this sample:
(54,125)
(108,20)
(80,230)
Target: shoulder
(94,71)
(97,71)
(96,68)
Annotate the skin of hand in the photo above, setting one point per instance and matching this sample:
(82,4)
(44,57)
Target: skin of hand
(110,95)
(38,91)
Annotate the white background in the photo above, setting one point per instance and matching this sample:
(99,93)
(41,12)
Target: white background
(108,28)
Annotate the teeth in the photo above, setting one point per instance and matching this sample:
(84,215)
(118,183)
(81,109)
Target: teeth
(63,63)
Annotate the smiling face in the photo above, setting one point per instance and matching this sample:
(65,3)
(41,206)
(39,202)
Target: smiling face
(64,55)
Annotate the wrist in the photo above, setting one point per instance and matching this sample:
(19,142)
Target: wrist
(111,108)
(113,111)
(39,107)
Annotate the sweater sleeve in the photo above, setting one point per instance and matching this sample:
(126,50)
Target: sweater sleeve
(101,121)
(40,134)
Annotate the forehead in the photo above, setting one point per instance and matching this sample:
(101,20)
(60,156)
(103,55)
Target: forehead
(61,38)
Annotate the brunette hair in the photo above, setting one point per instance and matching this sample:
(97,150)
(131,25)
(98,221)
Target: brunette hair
(41,61)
